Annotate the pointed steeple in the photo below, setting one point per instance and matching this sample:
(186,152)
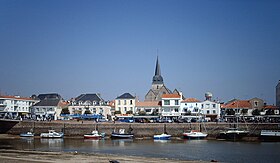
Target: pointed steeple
(157,79)
(157,71)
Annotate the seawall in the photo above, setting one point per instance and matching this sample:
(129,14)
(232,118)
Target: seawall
(73,128)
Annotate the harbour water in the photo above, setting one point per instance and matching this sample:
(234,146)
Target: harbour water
(205,150)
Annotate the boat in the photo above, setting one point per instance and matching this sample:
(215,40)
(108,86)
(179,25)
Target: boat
(270,135)
(52,134)
(163,136)
(94,135)
(194,134)
(28,134)
(121,134)
(233,134)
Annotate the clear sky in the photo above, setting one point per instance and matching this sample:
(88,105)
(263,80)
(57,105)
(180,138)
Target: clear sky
(228,47)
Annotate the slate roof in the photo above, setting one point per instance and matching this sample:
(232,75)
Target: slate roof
(48,102)
(49,96)
(89,97)
(126,96)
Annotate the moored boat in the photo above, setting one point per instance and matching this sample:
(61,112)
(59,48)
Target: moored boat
(162,136)
(94,135)
(28,134)
(121,134)
(52,134)
(193,134)
(270,135)
(233,134)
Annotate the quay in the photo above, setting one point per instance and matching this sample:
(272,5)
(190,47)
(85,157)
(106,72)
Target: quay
(140,130)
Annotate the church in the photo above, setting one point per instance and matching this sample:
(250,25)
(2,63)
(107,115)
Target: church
(158,87)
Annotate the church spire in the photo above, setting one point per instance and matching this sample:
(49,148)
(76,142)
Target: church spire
(157,79)
(157,71)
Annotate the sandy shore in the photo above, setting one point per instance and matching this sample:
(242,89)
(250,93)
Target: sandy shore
(22,156)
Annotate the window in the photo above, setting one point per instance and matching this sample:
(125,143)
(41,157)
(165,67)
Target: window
(176,102)
(208,112)
(256,103)
(125,109)
(176,110)
(214,111)
(124,102)
(130,102)
(166,102)
(214,105)
(201,105)
(119,102)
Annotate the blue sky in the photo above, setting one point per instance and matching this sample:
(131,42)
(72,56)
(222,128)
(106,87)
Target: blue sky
(228,47)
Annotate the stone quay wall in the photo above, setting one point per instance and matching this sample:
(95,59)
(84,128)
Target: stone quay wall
(139,129)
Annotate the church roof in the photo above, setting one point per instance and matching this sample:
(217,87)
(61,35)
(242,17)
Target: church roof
(157,79)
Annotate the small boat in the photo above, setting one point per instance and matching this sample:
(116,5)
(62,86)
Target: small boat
(233,134)
(52,134)
(121,134)
(162,136)
(193,134)
(94,135)
(28,134)
(270,135)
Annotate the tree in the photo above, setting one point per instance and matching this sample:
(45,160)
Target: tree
(269,112)
(87,112)
(244,111)
(142,113)
(129,112)
(230,112)
(65,111)
(256,112)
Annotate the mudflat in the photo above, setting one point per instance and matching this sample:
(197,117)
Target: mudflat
(26,156)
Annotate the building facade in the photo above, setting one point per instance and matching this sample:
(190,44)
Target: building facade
(90,104)
(16,107)
(171,106)
(125,104)
(49,107)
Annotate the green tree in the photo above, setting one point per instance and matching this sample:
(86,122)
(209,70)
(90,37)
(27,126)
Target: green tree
(65,111)
(129,112)
(256,112)
(230,112)
(87,112)
(142,113)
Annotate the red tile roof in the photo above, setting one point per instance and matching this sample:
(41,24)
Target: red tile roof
(148,103)
(190,100)
(170,96)
(271,107)
(238,104)
(16,97)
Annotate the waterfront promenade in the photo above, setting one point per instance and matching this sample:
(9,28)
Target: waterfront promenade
(79,128)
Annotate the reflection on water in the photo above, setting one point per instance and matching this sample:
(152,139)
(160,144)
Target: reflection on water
(176,149)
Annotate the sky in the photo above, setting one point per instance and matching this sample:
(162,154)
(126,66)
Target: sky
(228,47)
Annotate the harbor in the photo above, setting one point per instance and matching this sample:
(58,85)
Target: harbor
(139,150)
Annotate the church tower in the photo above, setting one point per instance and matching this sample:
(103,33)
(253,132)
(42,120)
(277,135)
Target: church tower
(157,79)
(158,88)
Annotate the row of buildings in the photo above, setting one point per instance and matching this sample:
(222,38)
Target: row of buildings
(159,102)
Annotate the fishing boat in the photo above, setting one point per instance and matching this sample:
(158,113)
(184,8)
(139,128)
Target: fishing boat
(162,136)
(194,134)
(233,134)
(28,134)
(121,134)
(94,135)
(270,135)
(52,134)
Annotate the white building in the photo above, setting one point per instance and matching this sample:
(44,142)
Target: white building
(15,106)
(49,107)
(125,104)
(90,104)
(171,106)
(190,108)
